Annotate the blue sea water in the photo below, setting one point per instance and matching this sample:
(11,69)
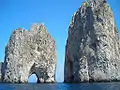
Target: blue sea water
(62,86)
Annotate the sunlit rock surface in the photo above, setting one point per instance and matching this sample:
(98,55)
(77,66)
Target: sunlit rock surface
(92,49)
(30,52)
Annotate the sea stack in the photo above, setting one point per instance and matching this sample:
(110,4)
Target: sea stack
(93,45)
(30,52)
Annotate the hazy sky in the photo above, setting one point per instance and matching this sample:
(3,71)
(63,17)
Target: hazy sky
(55,14)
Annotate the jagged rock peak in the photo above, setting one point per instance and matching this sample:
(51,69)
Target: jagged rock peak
(36,28)
(93,3)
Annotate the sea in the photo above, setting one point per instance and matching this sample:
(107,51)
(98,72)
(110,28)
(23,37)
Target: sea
(62,86)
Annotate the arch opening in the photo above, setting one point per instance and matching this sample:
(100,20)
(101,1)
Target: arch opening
(33,78)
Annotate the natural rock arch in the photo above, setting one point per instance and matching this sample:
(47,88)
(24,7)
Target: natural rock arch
(30,52)
(33,78)
(39,72)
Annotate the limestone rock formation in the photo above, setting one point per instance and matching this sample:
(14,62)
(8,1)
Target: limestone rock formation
(30,52)
(93,47)
(1,64)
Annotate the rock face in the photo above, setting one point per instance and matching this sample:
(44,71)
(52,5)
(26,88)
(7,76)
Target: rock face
(1,64)
(92,50)
(30,52)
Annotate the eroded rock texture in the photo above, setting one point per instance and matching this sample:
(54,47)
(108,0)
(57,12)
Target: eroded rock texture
(92,50)
(30,52)
(1,64)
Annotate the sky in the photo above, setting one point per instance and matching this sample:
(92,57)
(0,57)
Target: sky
(56,16)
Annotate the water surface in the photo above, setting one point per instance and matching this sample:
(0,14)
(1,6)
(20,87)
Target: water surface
(62,86)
